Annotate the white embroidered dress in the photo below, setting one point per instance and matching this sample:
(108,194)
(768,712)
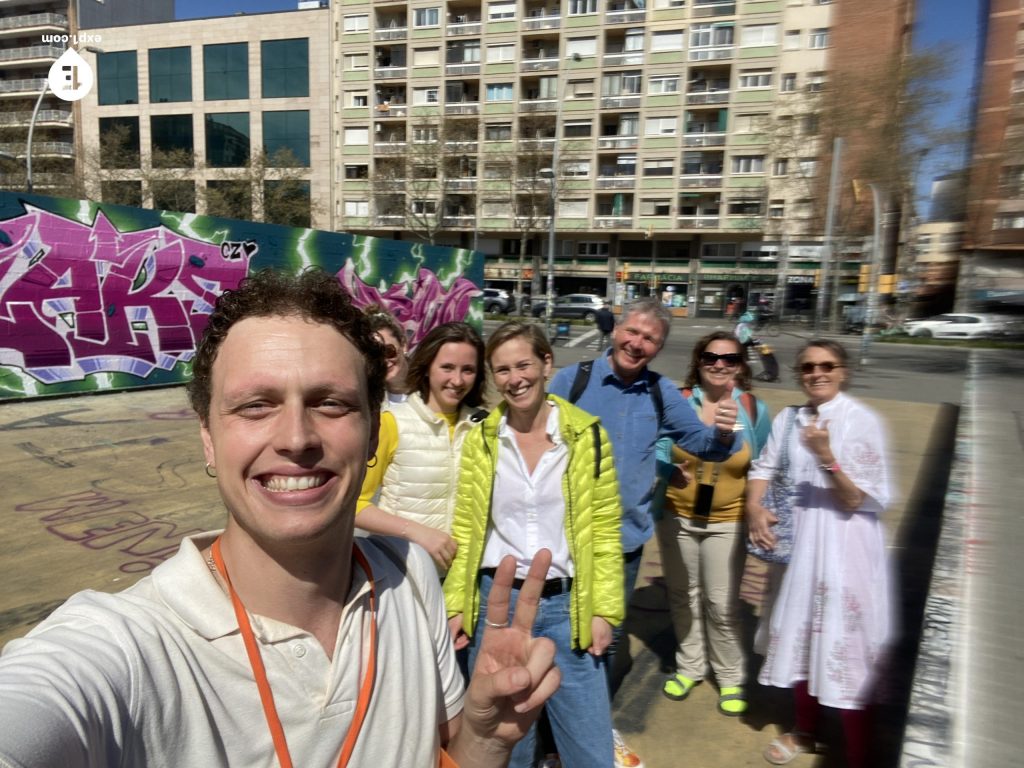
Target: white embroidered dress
(832,620)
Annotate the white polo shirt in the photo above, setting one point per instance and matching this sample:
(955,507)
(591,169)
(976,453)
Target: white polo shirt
(157,675)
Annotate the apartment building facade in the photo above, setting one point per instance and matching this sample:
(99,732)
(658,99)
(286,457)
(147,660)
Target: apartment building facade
(993,268)
(223,116)
(674,174)
(33,35)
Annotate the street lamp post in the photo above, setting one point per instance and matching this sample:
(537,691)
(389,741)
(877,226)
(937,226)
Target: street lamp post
(32,123)
(550,174)
(876,263)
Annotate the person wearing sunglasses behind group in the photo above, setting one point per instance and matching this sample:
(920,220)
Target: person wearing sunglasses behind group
(391,334)
(416,465)
(830,624)
(698,512)
(540,472)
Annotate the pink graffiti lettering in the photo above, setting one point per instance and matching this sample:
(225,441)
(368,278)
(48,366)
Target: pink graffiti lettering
(77,299)
(419,306)
(96,521)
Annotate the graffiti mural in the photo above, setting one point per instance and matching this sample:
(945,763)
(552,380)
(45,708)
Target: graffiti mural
(97,297)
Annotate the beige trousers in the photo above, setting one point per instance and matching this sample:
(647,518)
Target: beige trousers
(702,567)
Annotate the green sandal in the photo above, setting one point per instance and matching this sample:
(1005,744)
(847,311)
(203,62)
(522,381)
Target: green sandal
(678,687)
(732,702)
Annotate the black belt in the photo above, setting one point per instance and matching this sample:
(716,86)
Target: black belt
(551,588)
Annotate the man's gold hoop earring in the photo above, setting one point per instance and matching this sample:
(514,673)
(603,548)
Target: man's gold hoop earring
(210,470)
(372,462)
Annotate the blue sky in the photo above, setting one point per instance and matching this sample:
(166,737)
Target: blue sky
(198,9)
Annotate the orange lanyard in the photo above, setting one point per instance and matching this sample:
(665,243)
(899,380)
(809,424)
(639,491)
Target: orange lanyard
(260,672)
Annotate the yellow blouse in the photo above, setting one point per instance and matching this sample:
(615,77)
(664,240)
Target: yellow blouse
(728,477)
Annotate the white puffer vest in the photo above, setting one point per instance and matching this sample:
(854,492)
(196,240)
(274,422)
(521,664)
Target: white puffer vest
(421,480)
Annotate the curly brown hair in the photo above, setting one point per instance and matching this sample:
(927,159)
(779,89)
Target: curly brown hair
(313,295)
(744,379)
(417,378)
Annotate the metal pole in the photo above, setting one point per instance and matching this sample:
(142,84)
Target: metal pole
(876,253)
(779,304)
(830,213)
(654,266)
(560,97)
(28,142)
(548,309)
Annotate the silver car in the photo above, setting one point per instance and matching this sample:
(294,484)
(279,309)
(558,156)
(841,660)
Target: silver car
(957,325)
(573,305)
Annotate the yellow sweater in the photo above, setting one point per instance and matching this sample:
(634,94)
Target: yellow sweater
(730,486)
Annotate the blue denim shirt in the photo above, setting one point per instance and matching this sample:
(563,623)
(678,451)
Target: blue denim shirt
(628,414)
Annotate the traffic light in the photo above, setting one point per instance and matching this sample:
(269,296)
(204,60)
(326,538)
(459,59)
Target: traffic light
(886,283)
(817,278)
(864,280)
(625,270)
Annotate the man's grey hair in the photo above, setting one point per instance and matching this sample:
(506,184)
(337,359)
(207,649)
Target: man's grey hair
(652,307)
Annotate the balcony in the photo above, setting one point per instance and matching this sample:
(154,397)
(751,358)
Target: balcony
(703,9)
(623,58)
(462,68)
(613,222)
(634,16)
(392,109)
(620,102)
(460,222)
(542,22)
(538,105)
(34,21)
(617,142)
(463,28)
(467,184)
(45,117)
(701,181)
(712,53)
(389,147)
(22,87)
(703,139)
(389,221)
(391,33)
(390,73)
(31,52)
(462,108)
(538,64)
(707,97)
(616,182)
(697,222)
(41,149)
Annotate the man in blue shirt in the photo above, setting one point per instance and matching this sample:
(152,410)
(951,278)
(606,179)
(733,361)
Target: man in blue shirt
(619,393)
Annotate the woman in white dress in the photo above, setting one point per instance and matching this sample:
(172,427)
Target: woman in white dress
(831,621)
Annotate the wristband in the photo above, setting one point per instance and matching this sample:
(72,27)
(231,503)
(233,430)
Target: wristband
(830,468)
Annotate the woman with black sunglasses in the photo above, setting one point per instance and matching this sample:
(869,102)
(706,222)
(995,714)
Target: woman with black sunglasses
(698,510)
(830,623)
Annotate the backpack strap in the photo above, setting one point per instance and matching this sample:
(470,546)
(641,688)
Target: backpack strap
(654,385)
(579,384)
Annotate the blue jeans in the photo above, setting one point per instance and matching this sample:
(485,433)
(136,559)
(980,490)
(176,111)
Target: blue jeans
(631,569)
(579,711)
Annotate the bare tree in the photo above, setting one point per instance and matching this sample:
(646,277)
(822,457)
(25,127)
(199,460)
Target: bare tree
(420,188)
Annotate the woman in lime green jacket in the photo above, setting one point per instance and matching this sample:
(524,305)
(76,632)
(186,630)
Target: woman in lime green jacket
(538,473)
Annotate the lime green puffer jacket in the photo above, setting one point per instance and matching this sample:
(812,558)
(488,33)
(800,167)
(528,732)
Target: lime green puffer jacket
(592,519)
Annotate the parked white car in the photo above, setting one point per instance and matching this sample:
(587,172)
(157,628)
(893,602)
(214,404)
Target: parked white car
(957,326)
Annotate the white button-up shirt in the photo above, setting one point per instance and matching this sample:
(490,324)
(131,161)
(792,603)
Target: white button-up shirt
(528,510)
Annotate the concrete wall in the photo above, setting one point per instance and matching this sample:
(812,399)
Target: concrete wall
(102,297)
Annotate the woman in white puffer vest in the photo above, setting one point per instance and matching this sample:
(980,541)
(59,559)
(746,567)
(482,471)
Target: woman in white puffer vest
(416,466)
